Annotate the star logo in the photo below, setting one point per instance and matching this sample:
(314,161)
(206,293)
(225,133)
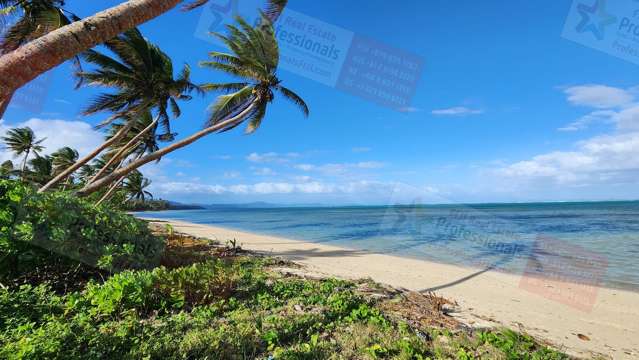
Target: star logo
(595,18)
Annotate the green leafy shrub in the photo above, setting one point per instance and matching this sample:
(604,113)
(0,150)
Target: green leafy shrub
(163,291)
(36,228)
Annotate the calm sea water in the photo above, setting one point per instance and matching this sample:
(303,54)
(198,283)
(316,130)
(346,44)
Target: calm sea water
(596,243)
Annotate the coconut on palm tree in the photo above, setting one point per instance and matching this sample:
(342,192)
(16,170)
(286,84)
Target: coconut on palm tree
(23,142)
(25,64)
(143,78)
(253,58)
(35,18)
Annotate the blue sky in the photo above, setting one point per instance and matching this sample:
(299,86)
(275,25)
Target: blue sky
(495,116)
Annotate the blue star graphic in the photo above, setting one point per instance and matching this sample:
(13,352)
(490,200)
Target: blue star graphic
(595,18)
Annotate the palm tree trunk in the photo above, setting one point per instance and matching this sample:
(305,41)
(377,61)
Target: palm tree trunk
(30,60)
(123,150)
(111,190)
(90,188)
(86,159)
(115,185)
(24,164)
(4,104)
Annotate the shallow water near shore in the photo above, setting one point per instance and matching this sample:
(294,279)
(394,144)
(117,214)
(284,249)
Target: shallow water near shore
(594,243)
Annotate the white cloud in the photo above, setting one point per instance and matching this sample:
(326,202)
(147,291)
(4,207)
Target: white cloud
(607,158)
(627,119)
(311,187)
(340,168)
(457,111)
(304,167)
(600,116)
(264,171)
(619,107)
(271,157)
(598,96)
(232,174)
(409,109)
(58,133)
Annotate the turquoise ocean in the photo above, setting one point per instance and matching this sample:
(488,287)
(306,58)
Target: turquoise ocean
(591,242)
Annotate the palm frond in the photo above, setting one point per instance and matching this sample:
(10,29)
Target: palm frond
(294,98)
(227,105)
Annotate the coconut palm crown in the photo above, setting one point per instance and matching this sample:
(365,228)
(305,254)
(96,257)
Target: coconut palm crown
(142,75)
(23,141)
(135,185)
(34,19)
(253,59)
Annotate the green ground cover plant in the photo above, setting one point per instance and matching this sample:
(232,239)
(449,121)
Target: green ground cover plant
(221,304)
(61,230)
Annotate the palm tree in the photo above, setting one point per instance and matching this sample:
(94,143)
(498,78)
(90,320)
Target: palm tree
(86,172)
(7,170)
(144,145)
(22,141)
(62,159)
(35,18)
(25,63)
(40,170)
(254,59)
(143,76)
(134,186)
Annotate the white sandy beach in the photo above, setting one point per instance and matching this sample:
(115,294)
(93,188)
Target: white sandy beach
(484,298)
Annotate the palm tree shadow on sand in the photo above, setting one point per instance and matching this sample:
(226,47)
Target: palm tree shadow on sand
(494,266)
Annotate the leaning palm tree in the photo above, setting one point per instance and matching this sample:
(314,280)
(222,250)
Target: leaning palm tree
(85,173)
(135,185)
(34,18)
(253,59)
(22,141)
(25,64)
(146,144)
(40,170)
(143,78)
(62,159)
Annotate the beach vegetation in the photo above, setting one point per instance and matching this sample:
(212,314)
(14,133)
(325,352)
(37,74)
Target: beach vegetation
(207,302)
(59,228)
(23,142)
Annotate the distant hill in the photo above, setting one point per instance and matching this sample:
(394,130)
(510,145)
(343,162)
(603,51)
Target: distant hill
(172,205)
(257,205)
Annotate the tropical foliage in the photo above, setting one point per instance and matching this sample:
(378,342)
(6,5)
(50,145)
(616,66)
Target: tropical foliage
(206,303)
(143,78)
(40,169)
(36,228)
(253,59)
(23,142)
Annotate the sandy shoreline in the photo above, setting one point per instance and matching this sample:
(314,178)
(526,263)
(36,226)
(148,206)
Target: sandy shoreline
(486,298)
